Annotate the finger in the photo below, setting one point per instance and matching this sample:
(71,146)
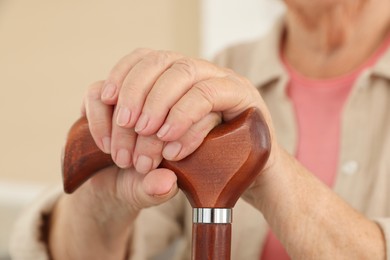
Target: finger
(228,94)
(132,95)
(142,191)
(122,146)
(118,73)
(192,139)
(138,83)
(99,117)
(147,153)
(170,87)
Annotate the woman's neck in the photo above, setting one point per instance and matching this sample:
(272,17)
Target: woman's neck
(332,40)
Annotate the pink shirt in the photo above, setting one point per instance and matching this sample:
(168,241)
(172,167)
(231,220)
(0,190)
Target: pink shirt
(318,108)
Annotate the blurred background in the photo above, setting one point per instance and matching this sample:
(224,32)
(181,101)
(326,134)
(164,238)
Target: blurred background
(50,51)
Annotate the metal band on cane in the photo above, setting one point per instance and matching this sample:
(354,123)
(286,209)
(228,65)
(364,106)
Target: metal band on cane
(212,215)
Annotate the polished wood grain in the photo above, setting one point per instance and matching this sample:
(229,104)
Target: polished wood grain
(219,171)
(214,176)
(81,158)
(211,241)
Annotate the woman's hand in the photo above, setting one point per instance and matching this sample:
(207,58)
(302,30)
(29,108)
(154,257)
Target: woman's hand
(165,104)
(157,104)
(154,104)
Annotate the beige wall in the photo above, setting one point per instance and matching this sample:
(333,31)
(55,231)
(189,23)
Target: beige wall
(51,50)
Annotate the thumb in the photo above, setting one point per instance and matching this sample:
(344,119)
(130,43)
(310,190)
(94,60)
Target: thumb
(151,189)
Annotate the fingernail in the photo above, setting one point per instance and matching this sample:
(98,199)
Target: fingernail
(144,164)
(171,150)
(142,122)
(163,131)
(123,158)
(106,144)
(123,117)
(108,91)
(162,194)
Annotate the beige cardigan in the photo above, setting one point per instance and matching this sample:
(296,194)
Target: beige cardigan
(363,178)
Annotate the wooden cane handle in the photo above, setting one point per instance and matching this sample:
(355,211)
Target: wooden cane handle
(214,176)
(81,157)
(226,163)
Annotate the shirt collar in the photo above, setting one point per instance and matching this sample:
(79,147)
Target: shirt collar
(266,64)
(382,67)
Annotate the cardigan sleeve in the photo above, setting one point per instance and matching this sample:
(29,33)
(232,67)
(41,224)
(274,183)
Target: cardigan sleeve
(154,230)
(28,237)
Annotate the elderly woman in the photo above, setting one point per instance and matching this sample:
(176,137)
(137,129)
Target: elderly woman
(322,80)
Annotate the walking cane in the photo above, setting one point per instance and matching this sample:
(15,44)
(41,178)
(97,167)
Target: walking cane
(213,177)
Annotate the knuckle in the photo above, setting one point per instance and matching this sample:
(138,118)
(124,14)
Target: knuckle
(198,132)
(228,71)
(153,152)
(205,90)
(137,53)
(123,138)
(140,51)
(98,126)
(182,113)
(155,142)
(132,192)
(94,91)
(135,195)
(249,91)
(152,142)
(118,72)
(182,119)
(186,67)
(194,136)
(245,81)
(158,58)
(130,89)
(116,76)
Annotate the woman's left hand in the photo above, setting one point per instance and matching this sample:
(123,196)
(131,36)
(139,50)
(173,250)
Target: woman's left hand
(164,105)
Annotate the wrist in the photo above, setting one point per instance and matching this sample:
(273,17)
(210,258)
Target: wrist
(100,205)
(299,207)
(84,215)
(270,180)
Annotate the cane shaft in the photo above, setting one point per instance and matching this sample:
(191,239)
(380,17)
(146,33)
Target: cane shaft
(213,177)
(211,241)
